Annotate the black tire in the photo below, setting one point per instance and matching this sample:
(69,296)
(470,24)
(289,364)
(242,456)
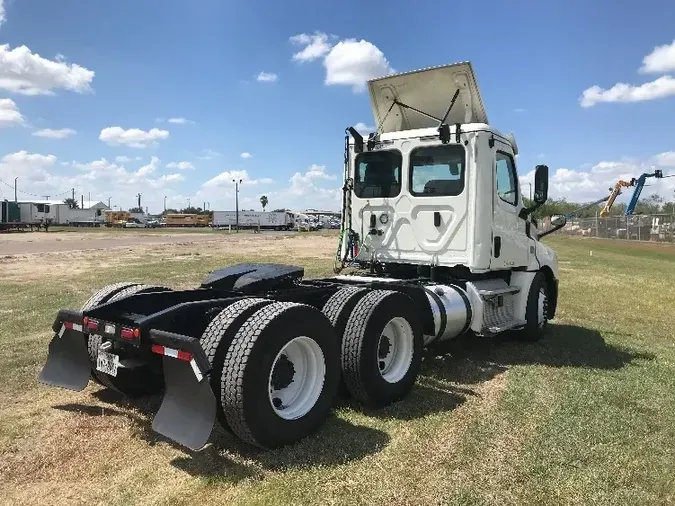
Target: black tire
(361,346)
(133,383)
(248,366)
(534,330)
(337,309)
(217,338)
(101,297)
(105,294)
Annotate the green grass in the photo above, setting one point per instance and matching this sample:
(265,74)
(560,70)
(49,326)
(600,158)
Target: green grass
(587,416)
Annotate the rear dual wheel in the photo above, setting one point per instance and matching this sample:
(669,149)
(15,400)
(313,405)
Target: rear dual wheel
(382,348)
(279,374)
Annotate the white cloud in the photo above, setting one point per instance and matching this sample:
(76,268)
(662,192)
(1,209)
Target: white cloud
(304,190)
(315,46)
(180,121)
(662,87)
(3,16)
(267,77)
(350,62)
(666,159)
(149,168)
(181,166)
(61,133)
(133,138)
(595,182)
(224,179)
(314,188)
(27,73)
(362,128)
(660,60)
(9,111)
(43,175)
(209,154)
(246,155)
(122,159)
(171,178)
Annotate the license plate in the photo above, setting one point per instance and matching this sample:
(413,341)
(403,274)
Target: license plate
(107,363)
(109,329)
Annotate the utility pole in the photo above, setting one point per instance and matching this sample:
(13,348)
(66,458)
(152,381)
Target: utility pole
(188,203)
(16,199)
(164,204)
(109,202)
(139,202)
(82,196)
(236,199)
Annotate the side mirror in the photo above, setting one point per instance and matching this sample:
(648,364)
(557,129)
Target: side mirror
(540,191)
(558,220)
(541,184)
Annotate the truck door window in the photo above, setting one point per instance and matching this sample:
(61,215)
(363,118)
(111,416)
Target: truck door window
(437,171)
(506,179)
(378,174)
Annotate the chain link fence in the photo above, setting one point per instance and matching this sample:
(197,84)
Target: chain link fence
(652,227)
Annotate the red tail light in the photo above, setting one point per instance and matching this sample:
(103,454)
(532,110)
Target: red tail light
(184,355)
(126,333)
(90,323)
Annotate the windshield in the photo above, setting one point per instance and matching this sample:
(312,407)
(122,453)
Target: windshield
(437,171)
(378,174)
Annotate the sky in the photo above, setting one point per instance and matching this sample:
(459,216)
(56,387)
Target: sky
(175,99)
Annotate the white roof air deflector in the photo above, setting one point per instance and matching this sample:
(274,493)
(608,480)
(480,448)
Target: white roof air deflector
(429,91)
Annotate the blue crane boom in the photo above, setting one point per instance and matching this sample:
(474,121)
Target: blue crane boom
(639,184)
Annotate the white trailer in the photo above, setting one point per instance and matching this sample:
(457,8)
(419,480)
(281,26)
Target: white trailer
(253,219)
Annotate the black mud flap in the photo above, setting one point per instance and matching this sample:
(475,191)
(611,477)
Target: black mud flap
(188,410)
(68,364)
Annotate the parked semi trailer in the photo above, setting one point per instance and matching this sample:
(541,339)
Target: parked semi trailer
(254,219)
(442,244)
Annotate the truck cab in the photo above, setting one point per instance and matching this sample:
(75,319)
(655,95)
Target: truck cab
(436,188)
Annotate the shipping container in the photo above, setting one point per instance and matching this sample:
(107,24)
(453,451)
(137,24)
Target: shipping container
(10,212)
(253,219)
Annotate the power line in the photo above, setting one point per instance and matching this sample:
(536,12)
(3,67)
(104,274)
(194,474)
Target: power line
(32,194)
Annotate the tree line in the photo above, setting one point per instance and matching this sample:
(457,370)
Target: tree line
(654,204)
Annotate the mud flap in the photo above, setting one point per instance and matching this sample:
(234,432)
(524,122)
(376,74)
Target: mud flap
(68,364)
(188,410)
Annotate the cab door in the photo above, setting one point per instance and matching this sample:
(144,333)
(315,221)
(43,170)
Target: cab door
(510,246)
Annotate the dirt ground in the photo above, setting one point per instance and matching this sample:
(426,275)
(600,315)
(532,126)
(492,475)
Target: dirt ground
(49,242)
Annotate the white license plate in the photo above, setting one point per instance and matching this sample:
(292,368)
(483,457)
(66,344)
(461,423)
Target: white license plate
(109,329)
(107,363)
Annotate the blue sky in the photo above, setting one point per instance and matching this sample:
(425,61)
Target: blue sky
(105,78)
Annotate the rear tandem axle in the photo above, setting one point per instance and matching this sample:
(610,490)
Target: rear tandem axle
(255,347)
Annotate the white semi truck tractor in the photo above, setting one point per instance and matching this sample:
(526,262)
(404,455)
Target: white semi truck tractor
(436,242)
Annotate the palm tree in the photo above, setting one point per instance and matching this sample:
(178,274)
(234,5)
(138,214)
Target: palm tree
(72,203)
(264,201)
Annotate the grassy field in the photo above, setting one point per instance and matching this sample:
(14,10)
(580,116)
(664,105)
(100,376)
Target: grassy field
(586,416)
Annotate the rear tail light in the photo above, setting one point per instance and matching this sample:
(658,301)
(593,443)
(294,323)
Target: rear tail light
(129,334)
(90,323)
(170,352)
